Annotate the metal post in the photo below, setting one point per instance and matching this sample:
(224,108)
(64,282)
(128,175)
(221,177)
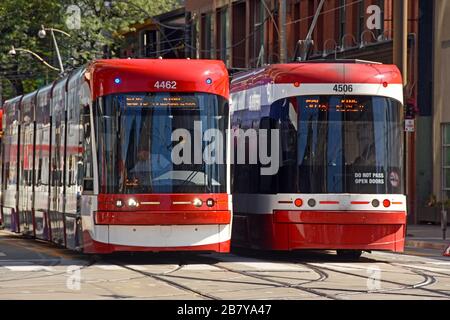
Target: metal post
(444,223)
(61,67)
(401,37)
(283,44)
(400,58)
(308,40)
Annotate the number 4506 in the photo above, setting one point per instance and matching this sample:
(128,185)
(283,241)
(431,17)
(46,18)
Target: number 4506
(343,88)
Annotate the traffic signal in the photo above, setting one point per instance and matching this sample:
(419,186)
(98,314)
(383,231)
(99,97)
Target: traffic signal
(410,109)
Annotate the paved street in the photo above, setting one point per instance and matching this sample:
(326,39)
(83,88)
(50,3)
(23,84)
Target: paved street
(37,270)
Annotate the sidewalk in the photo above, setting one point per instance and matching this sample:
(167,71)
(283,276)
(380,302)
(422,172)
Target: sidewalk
(426,237)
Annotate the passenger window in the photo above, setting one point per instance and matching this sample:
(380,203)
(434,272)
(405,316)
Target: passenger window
(86,168)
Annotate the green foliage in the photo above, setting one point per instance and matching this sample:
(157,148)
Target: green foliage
(21,20)
(99,36)
(433,202)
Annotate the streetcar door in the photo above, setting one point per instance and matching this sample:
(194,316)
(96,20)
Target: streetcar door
(57,165)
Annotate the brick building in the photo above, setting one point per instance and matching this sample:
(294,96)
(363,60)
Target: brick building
(248,33)
(162,36)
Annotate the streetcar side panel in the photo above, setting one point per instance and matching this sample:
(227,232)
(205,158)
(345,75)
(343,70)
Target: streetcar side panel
(73,162)
(58,130)
(26,164)
(10,154)
(42,164)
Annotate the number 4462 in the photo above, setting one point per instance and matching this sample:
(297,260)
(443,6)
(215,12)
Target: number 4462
(165,85)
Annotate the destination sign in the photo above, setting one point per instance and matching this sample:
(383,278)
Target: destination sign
(161,102)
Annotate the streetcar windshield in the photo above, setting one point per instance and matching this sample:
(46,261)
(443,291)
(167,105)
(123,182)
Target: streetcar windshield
(135,147)
(341,144)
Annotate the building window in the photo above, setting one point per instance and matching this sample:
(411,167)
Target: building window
(148,44)
(206,36)
(361,19)
(342,17)
(259,32)
(380,32)
(239,34)
(223,34)
(446,159)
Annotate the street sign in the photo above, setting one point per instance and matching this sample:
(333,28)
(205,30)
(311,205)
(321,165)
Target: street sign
(409,125)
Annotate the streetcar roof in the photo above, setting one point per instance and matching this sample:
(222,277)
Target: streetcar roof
(140,75)
(336,71)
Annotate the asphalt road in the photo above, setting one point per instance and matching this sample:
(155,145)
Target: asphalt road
(32,269)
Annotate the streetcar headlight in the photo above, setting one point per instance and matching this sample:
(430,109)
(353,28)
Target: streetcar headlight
(197,202)
(119,203)
(375,203)
(312,202)
(210,202)
(133,203)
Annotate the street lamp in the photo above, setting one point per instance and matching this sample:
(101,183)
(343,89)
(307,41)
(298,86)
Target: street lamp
(43,33)
(14,51)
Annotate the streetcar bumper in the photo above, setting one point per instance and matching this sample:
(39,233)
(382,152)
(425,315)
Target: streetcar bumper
(295,230)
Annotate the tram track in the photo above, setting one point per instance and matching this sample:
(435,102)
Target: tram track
(427,280)
(322,268)
(160,277)
(282,284)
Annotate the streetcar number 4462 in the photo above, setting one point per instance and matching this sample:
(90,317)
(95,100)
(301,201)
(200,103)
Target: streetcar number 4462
(165,85)
(343,88)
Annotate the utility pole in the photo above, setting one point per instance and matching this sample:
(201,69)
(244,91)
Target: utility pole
(401,37)
(400,58)
(283,45)
(304,47)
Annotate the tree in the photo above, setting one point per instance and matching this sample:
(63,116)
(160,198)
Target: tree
(103,22)
(21,20)
(97,34)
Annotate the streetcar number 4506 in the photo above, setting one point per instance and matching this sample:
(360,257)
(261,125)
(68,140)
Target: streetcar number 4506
(343,88)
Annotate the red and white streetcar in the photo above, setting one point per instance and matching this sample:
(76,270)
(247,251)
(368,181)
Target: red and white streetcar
(340,182)
(87,161)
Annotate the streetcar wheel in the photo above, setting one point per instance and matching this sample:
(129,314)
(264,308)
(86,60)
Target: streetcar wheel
(349,254)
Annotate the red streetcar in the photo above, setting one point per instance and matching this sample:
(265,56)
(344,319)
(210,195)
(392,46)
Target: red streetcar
(340,179)
(88,162)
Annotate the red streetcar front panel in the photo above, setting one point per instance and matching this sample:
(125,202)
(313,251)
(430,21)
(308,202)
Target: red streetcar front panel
(339,184)
(144,112)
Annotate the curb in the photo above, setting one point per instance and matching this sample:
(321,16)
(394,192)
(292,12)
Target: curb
(426,245)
